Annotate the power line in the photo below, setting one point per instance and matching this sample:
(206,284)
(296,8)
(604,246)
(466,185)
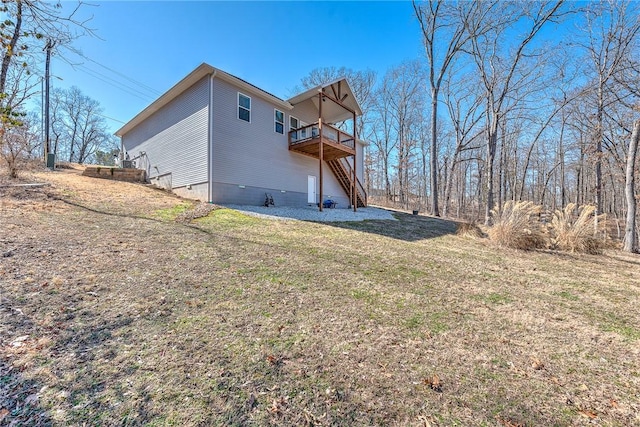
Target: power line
(143,97)
(124,76)
(110,118)
(115,82)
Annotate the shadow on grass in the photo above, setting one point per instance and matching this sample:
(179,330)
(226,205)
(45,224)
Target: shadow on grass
(86,352)
(89,352)
(410,228)
(19,396)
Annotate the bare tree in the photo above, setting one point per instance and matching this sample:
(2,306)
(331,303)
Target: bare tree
(403,102)
(611,30)
(382,136)
(79,128)
(630,233)
(464,106)
(444,36)
(27,24)
(499,68)
(19,142)
(28,21)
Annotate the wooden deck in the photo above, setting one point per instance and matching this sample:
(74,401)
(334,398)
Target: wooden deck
(335,142)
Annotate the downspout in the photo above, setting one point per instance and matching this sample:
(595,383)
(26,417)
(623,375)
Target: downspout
(210,137)
(121,154)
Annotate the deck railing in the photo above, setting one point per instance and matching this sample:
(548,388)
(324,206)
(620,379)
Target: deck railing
(306,133)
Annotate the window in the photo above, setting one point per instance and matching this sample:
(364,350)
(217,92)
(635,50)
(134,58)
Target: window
(244,107)
(293,123)
(279,118)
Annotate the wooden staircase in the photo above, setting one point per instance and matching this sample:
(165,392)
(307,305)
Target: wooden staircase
(343,171)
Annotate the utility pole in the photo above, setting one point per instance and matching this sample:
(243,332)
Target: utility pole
(48,48)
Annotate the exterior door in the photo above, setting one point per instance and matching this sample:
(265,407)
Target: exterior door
(311,185)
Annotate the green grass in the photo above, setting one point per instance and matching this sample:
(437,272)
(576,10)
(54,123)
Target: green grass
(170,214)
(567,295)
(497,298)
(228,219)
(611,322)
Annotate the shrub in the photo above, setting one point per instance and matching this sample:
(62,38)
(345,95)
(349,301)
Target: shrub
(517,226)
(574,229)
(469,229)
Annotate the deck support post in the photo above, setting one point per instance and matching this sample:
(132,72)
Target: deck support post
(354,189)
(321,154)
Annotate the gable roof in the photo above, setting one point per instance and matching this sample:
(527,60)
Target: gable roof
(192,78)
(332,111)
(338,88)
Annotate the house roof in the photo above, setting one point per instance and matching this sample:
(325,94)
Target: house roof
(201,71)
(332,112)
(338,89)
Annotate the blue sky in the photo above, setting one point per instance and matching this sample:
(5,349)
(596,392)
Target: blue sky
(270,44)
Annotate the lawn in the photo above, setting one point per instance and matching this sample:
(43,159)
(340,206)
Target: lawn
(114,313)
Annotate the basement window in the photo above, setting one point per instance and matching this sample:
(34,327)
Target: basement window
(279,120)
(244,107)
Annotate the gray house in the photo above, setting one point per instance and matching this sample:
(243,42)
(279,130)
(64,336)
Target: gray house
(220,139)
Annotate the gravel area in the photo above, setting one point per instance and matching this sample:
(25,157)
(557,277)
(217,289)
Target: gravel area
(311,213)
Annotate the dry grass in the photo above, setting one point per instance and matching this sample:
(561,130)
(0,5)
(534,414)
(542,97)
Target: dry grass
(112,313)
(574,230)
(517,226)
(470,229)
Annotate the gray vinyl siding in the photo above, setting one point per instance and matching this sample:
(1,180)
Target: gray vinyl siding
(253,154)
(175,138)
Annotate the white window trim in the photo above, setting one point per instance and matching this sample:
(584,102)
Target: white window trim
(297,119)
(275,122)
(239,107)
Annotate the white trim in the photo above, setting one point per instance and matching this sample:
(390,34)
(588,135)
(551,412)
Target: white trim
(296,119)
(244,108)
(210,130)
(275,121)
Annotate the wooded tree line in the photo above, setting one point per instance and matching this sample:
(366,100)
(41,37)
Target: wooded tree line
(514,100)
(78,130)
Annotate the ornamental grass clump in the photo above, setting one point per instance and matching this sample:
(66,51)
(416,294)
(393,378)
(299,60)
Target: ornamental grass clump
(517,226)
(469,229)
(574,229)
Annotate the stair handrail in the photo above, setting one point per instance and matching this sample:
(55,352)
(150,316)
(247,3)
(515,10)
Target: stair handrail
(347,166)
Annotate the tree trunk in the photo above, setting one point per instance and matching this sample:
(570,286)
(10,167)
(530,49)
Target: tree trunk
(492,141)
(434,154)
(10,50)
(563,197)
(599,137)
(630,235)
(449,184)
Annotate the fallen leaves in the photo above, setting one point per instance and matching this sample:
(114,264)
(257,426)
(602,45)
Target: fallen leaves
(589,413)
(277,406)
(536,363)
(508,423)
(434,383)
(274,360)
